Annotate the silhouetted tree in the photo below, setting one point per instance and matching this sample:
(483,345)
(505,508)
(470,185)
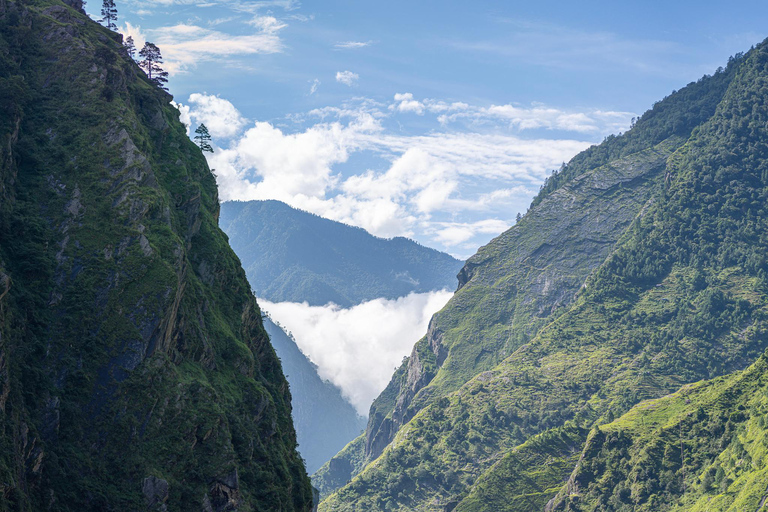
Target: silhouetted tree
(109,13)
(130,47)
(150,63)
(203,138)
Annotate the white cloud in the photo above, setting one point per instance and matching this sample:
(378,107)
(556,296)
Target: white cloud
(267,24)
(455,233)
(405,103)
(184,115)
(134,31)
(347,78)
(357,348)
(313,87)
(446,188)
(424,177)
(184,45)
(218,115)
(347,45)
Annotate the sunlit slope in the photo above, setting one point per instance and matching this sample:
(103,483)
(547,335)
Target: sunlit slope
(681,297)
(704,448)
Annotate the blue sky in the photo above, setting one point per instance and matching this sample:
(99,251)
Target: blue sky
(434,120)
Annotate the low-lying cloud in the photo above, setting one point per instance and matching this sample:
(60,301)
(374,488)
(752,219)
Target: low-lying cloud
(358,348)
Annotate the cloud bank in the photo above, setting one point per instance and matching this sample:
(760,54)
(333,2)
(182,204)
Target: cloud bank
(358,348)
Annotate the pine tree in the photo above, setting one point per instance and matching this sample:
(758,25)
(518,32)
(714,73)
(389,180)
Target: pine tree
(130,47)
(109,13)
(203,138)
(150,63)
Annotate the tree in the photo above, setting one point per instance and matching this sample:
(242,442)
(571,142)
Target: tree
(130,47)
(109,13)
(203,138)
(150,63)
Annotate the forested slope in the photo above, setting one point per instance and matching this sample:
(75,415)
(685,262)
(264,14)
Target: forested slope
(135,373)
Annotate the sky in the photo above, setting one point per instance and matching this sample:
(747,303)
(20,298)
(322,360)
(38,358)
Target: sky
(433,120)
(438,121)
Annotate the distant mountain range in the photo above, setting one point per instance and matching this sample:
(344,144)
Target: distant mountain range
(293,256)
(324,420)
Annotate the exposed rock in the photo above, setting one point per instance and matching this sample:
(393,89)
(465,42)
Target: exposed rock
(156,492)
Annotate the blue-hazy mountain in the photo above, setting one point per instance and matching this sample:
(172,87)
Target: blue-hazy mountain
(324,420)
(294,256)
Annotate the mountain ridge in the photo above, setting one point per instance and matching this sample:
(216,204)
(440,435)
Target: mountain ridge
(308,258)
(135,372)
(680,297)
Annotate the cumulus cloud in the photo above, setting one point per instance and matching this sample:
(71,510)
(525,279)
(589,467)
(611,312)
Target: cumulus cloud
(357,348)
(218,115)
(449,189)
(405,103)
(455,233)
(347,45)
(347,78)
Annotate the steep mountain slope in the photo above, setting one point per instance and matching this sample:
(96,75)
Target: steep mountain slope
(681,297)
(703,448)
(530,274)
(294,256)
(135,373)
(323,419)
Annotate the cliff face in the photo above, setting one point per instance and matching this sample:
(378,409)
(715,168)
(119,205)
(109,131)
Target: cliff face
(135,373)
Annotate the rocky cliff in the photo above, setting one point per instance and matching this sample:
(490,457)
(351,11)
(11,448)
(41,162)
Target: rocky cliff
(135,373)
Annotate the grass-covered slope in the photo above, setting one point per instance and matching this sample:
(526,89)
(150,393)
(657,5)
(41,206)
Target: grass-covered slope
(681,297)
(324,420)
(295,256)
(704,448)
(135,373)
(531,273)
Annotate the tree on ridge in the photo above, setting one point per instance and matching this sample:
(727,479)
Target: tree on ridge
(109,13)
(203,138)
(130,47)
(150,63)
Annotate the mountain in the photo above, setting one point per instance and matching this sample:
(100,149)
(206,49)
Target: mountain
(293,256)
(324,420)
(135,372)
(703,448)
(640,267)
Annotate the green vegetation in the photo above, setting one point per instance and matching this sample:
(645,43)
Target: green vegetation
(135,373)
(702,448)
(295,256)
(679,295)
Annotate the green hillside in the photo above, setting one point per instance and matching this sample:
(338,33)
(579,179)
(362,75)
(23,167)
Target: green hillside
(679,295)
(704,448)
(294,256)
(135,373)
